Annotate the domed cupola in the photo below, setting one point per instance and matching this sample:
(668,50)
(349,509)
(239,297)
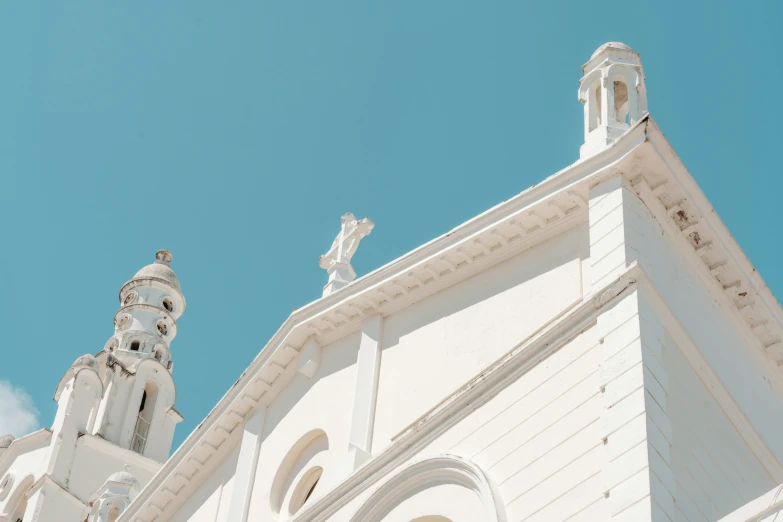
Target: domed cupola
(87,360)
(150,304)
(613,93)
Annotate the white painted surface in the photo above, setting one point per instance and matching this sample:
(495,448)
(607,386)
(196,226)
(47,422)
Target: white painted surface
(715,470)
(210,502)
(463,505)
(247,464)
(323,403)
(539,439)
(749,379)
(766,508)
(460,330)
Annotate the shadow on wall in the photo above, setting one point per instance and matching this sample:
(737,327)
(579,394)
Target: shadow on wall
(524,267)
(335,358)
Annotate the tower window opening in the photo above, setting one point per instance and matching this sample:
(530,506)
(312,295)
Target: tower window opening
(304,490)
(135,345)
(309,493)
(163,328)
(168,304)
(144,418)
(129,298)
(621,102)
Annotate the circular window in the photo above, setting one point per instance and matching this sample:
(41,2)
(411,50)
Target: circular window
(5,485)
(168,304)
(130,297)
(122,321)
(304,490)
(163,328)
(159,352)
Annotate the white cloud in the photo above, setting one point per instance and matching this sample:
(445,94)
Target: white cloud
(18,414)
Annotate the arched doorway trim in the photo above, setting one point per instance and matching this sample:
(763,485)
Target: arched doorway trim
(443,469)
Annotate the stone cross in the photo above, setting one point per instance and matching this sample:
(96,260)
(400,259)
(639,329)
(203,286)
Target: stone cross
(337,261)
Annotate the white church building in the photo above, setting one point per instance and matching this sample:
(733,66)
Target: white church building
(596,348)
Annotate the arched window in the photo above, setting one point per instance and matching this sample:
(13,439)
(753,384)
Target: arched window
(299,474)
(304,490)
(622,114)
(144,418)
(16,501)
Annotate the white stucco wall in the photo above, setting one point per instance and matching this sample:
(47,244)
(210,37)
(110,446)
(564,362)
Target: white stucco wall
(538,441)
(436,345)
(715,470)
(734,356)
(26,464)
(95,462)
(321,403)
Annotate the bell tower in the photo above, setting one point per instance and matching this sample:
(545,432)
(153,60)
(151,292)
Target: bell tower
(115,411)
(137,409)
(613,93)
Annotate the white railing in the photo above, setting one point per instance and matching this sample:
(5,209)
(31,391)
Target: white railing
(139,441)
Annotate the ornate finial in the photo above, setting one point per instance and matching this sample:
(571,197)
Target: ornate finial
(337,261)
(163,257)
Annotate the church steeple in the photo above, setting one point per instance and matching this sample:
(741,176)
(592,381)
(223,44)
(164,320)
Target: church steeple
(117,402)
(613,93)
(136,411)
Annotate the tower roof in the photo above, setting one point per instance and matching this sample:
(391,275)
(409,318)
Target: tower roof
(613,45)
(124,477)
(86,360)
(160,269)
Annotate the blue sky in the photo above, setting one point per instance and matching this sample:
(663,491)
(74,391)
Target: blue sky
(236,133)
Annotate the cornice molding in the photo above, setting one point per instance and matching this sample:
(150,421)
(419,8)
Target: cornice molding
(712,382)
(685,214)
